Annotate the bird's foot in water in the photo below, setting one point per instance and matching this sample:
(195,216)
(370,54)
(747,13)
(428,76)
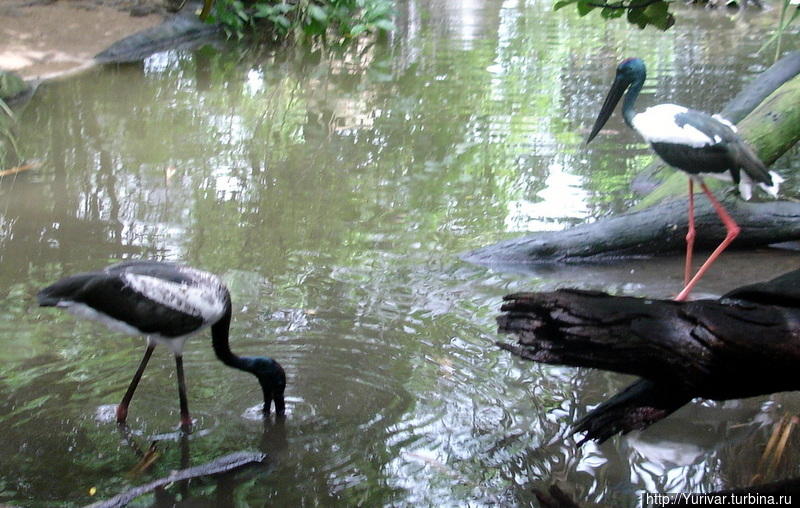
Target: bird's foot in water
(122,414)
(186,424)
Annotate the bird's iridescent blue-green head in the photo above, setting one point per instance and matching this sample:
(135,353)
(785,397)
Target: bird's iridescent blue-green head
(631,69)
(272,379)
(630,73)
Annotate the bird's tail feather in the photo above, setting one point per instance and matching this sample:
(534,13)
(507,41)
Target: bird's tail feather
(754,171)
(64,290)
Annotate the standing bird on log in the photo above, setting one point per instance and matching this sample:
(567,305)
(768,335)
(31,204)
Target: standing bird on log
(167,304)
(694,142)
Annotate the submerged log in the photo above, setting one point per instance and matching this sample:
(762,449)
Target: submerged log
(226,464)
(743,344)
(184,30)
(658,225)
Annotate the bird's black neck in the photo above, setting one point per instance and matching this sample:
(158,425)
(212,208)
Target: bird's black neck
(630,98)
(219,339)
(270,374)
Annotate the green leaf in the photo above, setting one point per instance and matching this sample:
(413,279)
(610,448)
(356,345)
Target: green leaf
(563,3)
(358,29)
(385,25)
(317,13)
(282,21)
(663,22)
(609,13)
(656,10)
(263,11)
(314,28)
(584,7)
(637,17)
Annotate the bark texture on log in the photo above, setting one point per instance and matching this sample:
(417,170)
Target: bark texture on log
(762,86)
(658,230)
(746,343)
(228,463)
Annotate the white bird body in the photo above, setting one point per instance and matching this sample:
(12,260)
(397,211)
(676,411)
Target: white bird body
(671,124)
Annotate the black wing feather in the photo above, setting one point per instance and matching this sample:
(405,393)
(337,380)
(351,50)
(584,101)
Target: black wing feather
(728,152)
(107,293)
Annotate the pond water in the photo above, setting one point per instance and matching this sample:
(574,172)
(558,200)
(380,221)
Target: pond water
(334,191)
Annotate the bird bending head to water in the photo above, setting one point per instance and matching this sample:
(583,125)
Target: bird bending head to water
(167,303)
(694,142)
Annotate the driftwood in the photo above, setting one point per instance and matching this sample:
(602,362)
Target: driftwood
(226,464)
(658,225)
(759,89)
(184,30)
(19,169)
(743,344)
(657,230)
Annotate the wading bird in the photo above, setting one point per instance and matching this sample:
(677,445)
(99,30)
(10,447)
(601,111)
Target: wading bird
(166,303)
(694,142)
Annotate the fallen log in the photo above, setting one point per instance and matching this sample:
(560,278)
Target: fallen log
(226,464)
(759,89)
(657,230)
(658,225)
(743,344)
(184,30)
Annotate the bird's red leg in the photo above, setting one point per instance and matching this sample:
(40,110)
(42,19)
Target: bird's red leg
(186,420)
(122,409)
(687,268)
(732,232)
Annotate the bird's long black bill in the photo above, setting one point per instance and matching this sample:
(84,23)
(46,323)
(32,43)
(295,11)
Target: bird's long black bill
(613,97)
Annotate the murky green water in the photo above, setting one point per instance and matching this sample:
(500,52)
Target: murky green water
(334,193)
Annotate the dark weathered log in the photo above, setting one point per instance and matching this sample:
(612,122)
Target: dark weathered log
(761,87)
(184,30)
(635,408)
(743,344)
(226,464)
(554,498)
(658,230)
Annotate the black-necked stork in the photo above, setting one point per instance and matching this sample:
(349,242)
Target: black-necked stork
(694,142)
(167,303)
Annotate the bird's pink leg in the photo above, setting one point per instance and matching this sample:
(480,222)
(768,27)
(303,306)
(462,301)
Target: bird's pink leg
(690,234)
(732,232)
(122,409)
(186,420)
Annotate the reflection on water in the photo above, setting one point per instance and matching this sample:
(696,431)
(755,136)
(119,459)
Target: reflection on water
(333,191)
